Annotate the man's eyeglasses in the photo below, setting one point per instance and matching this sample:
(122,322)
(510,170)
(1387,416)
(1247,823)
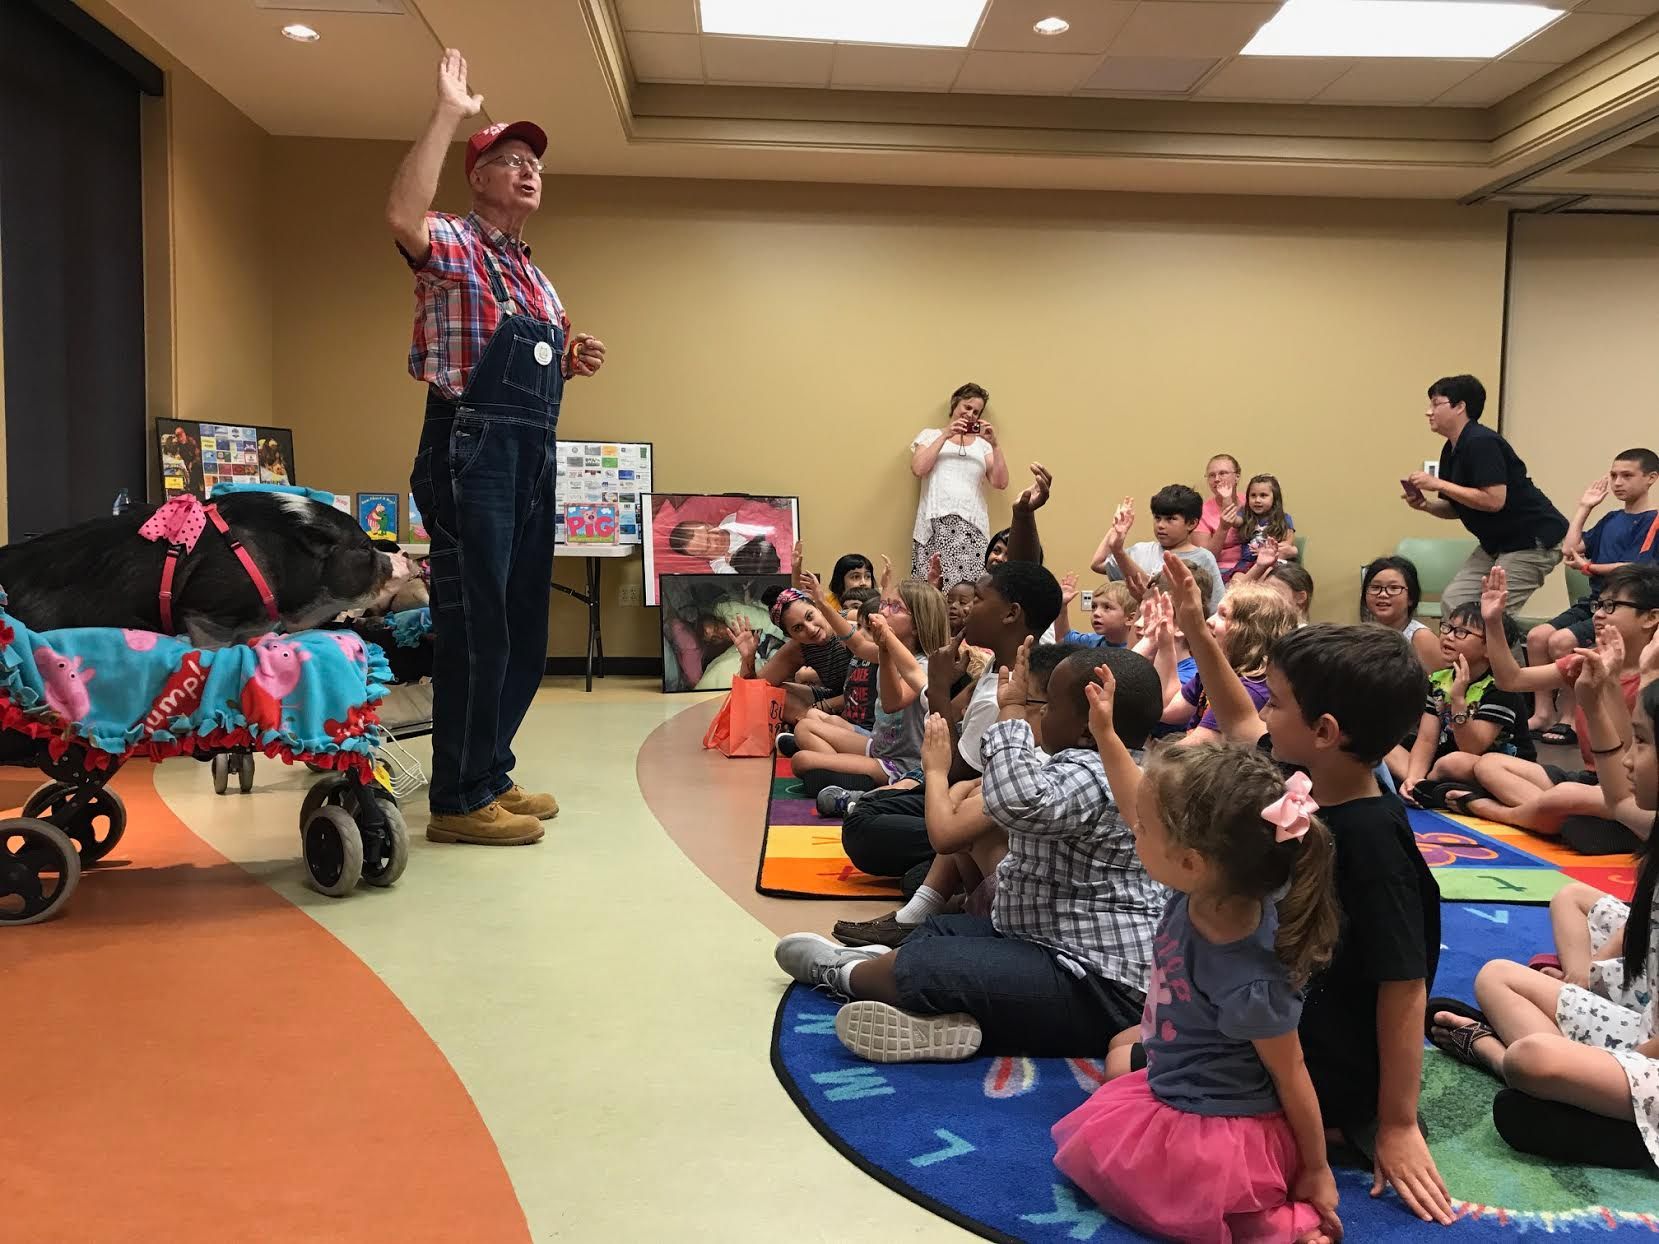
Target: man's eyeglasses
(517,162)
(1460,632)
(1607,607)
(1385,589)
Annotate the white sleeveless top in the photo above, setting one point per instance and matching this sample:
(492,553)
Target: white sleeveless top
(954,486)
(1412,627)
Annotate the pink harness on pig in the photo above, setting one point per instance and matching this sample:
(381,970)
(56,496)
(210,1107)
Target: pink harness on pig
(180,524)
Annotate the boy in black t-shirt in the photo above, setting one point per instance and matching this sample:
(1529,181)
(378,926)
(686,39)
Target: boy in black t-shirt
(1339,698)
(1467,714)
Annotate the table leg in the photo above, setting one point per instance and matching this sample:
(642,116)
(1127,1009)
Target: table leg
(593,616)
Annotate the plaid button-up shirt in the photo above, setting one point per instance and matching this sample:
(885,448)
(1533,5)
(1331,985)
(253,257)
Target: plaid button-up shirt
(456,310)
(1071,880)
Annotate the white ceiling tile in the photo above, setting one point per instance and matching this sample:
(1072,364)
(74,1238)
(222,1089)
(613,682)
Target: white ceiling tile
(677,17)
(665,58)
(1394,80)
(1293,79)
(1024,73)
(1183,29)
(767,62)
(1094,24)
(1636,8)
(872,67)
(1492,84)
(1148,75)
(1571,37)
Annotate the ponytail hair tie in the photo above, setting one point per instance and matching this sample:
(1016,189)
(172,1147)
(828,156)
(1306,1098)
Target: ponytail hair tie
(786,598)
(1292,812)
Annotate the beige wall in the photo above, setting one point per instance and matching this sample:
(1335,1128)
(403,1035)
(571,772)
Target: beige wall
(792,339)
(1582,377)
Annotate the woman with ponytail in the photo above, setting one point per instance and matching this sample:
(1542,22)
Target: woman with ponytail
(1581,1062)
(1209,1128)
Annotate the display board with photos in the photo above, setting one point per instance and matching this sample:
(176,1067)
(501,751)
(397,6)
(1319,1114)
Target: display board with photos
(616,473)
(698,611)
(725,533)
(196,457)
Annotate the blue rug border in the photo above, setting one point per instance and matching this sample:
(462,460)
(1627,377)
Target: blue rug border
(888,1180)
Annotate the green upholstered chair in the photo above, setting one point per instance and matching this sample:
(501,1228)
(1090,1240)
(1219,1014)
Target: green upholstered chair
(1436,561)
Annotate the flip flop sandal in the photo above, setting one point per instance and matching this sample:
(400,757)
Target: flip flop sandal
(1459,1043)
(1561,734)
(1457,797)
(1539,962)
(1431,796)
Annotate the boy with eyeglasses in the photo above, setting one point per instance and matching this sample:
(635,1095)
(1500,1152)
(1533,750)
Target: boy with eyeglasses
(1620,538)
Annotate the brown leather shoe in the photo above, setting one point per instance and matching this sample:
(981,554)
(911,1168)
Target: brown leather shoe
(521,802)
(490,826)
(882,931)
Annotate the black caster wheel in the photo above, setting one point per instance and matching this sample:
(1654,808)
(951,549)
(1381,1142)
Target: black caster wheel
(39,870)
(93,818)
(330,792)
(333,848)
(383,867)
(221,773)
(244,771)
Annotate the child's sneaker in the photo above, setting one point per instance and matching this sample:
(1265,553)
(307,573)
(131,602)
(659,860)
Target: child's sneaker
(837,802)
(884,1034)
(814,960)
(787,746)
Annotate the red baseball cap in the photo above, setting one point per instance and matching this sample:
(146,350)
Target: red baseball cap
(526,131)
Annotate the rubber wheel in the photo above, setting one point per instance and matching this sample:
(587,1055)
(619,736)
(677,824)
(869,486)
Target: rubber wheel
(221,773)
(244,771)
(39,870)
(333,852)
(330,792)
(394,856)
(316,768)
(94,822)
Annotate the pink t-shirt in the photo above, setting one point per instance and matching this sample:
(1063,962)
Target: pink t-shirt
(1227,559)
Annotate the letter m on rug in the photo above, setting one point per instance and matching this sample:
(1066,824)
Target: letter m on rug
(853,1083)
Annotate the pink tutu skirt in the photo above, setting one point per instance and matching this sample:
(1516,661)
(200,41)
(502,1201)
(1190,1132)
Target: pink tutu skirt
(1183,1176)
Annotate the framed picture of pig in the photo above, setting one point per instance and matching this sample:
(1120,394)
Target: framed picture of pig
(731,533)
(377,513)
(697,609)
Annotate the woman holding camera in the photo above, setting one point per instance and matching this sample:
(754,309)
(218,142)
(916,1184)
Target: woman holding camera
(954,463)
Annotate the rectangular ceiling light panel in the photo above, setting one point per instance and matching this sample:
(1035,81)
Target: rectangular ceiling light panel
(1420,29)
(907,23)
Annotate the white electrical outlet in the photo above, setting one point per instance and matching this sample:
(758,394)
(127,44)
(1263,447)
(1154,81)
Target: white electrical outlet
(1431,466)
(630,594)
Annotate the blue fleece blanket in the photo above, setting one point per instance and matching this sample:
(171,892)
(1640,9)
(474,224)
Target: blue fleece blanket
(124,693)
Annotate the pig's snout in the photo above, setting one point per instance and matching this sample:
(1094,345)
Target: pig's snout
(395,569)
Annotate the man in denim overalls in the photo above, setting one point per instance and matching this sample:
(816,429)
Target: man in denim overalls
(493,344)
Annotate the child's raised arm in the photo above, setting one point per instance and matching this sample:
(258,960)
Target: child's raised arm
(951,826)
(1494,597)
(1607,722)
(1123,775)
(900,675)
(1068,593)
(1023,544)
(861,646)
(1235,712)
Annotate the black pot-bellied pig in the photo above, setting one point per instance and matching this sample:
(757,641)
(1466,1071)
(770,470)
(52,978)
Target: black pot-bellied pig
(317,562)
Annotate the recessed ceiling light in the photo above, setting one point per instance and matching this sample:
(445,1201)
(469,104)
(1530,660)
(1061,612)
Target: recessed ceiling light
(912,23)
(1052,26)
(301,34)
(1423,29)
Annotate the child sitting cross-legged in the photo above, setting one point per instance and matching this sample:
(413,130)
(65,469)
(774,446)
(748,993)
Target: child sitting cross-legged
(968,843)
(1467,714)
(1061,963)
(1216,1133)
(1339,697)
(1111,616)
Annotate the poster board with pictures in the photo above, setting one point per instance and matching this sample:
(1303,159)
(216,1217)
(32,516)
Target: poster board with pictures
(604,473)
(707,533)
(196,457)
(697,653)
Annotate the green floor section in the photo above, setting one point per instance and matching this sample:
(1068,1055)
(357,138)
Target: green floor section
(1499,885)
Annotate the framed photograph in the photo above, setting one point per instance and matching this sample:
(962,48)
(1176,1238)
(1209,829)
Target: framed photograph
(417,525)
(377,514)
(275,455)
(697,609)
(180,446)
(700,533)
(614,473)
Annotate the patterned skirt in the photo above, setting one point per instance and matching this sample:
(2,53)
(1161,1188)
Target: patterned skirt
(1593,1020)
(961,549)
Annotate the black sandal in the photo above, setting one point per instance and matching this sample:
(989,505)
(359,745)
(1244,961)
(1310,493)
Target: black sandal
(1561,734)
(1458,1043)
(1456,797)
(1431,796)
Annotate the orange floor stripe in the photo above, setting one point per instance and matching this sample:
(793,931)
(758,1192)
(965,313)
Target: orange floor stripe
(191,1058)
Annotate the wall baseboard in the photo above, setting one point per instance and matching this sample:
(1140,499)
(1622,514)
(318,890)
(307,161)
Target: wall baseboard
(629,667)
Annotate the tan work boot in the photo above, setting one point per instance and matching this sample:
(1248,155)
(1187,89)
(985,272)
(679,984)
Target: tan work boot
(521,802)
(490,826)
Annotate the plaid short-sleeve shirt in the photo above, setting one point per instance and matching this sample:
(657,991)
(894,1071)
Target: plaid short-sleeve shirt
(456,310)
